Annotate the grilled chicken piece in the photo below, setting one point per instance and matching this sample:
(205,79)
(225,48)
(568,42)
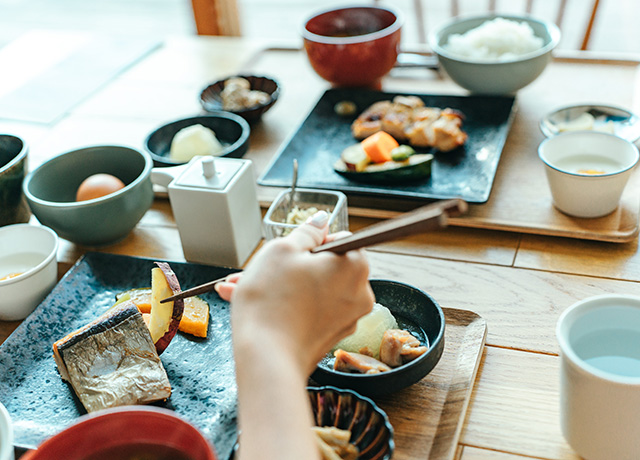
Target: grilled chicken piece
(399,346)
(370,121)
(447,132)
(357,363)
(396,119)
(408,120)
(442,131)
(412,102)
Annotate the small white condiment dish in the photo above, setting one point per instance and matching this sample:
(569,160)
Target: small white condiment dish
(587,171)
(6,435)
(30,252)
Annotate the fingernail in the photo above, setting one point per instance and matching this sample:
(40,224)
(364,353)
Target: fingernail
(319,219)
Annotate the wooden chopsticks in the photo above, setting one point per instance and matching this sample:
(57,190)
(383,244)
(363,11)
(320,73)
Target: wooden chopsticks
(424,219)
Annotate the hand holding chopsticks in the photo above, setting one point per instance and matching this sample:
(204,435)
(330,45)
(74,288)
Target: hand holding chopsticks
(427,218)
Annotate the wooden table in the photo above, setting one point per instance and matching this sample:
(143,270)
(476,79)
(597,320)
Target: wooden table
(519,282)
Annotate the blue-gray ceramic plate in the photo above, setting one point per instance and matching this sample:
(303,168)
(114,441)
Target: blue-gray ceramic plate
(467,172)
(201,371)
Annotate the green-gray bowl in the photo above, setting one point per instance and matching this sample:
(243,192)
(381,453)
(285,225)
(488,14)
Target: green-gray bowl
(494,77)
(51,191)
(13,168)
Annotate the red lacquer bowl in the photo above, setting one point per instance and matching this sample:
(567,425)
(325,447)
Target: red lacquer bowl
(353,46)
(112,428)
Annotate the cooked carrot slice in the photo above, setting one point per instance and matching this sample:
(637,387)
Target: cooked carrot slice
(378,146)
(195,317)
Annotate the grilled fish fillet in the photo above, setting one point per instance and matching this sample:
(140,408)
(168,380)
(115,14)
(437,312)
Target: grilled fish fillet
(112,361)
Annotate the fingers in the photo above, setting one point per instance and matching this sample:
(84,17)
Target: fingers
(312,233)
(233,278)
(337,236)
(225,290)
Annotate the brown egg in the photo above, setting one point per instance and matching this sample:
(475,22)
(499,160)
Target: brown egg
(97,186)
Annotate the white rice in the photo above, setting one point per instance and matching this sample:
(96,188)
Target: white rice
(496,40)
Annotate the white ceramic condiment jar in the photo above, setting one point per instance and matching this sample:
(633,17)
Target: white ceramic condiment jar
(215,204)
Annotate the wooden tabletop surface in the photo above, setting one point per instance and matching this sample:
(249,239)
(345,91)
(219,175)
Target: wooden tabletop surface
(519,282)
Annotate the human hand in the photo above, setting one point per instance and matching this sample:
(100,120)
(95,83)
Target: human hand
(296,302)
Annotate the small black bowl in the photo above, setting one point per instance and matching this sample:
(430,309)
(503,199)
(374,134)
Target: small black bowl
(212,101)
(370,429)
(405,303)
(231,130)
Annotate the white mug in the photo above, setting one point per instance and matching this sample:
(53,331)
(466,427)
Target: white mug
(599,340)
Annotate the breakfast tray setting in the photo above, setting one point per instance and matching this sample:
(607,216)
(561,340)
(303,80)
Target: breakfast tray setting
(41,404)
(519,200)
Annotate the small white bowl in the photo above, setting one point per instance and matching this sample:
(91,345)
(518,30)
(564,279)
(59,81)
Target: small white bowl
(6,435)
(592,117)
(610,160)
(500,77)
(31,252)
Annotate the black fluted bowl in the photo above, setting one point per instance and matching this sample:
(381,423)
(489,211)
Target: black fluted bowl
(211,100)
(406,303)
(370,429)
(231,130)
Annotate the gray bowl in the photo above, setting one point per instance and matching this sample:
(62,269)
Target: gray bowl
(494,77)
(51,190)
(405,303)
(13,167)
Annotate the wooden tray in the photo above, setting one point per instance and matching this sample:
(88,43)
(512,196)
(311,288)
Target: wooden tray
(520,200)
(427,417)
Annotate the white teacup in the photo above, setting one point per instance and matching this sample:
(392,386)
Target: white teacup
(599,340)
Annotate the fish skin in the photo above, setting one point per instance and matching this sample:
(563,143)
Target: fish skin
(112,361)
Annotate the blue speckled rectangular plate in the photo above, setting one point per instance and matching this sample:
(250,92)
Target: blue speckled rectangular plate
(466,173)
(201,371)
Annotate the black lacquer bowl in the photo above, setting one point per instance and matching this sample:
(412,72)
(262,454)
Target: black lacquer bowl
(231,130)
(370,429)
(211,98)
(410,306)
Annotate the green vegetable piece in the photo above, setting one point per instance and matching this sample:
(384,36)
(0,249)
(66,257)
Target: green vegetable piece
(402,152)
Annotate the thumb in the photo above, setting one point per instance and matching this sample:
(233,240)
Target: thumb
(312,233)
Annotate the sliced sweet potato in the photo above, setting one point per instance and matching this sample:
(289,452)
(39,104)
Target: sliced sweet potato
(195,317)
(165,317)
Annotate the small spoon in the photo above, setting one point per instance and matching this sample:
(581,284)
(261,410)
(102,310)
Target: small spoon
(294,182)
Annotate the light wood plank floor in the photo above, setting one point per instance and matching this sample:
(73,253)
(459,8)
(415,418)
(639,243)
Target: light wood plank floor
(616,29)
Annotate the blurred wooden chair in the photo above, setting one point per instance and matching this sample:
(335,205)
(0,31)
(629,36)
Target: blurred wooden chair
(420,15)
(216,17)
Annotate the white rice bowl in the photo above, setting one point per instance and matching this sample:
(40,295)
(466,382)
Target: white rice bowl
(499,40)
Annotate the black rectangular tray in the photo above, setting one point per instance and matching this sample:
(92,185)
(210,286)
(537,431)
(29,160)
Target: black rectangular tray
(466,173)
